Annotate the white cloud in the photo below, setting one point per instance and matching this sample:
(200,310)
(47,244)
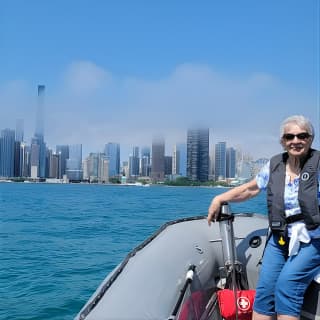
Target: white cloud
(84,78)
(93,107)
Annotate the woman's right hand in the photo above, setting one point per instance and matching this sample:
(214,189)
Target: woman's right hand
(214,210)
(237,194)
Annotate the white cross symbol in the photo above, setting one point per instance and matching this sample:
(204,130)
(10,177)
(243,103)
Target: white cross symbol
(243,303)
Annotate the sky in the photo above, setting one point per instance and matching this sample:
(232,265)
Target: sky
(128,71)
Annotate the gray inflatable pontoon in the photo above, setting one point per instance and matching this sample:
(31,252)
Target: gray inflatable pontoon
(153,282)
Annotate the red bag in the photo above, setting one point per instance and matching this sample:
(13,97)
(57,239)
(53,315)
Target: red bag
(227,305)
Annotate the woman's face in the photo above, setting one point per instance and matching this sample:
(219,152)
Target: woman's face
(296,140)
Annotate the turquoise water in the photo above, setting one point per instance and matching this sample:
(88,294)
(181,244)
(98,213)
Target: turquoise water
(58,242)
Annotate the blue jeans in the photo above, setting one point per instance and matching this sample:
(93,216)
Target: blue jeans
(283,280)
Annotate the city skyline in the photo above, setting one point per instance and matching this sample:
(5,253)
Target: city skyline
(68,163)
(123,72)
(124,156)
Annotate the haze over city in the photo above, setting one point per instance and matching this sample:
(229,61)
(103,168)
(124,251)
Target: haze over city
(126,71)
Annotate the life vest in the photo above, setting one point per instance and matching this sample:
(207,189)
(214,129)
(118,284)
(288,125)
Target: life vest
(307,194)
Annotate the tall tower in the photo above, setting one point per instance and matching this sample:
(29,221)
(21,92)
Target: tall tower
(40,112)
(168,165)
(112,151)
(220,162)
(74,163)
(182,147)
(231,163)
(7,147)
(179,160)
(24,159)
(63,152)
(145,162)
(198,154)
(176,160)
(17,149)
(134,161)
(157,162)
(38,146)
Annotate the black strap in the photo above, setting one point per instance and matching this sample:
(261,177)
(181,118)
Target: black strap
(294,218)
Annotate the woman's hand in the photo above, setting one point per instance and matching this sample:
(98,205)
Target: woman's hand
(237,194)
(214,209)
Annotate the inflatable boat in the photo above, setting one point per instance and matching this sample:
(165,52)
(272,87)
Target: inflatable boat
(186,269)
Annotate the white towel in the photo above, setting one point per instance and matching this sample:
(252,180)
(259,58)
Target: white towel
(298,233)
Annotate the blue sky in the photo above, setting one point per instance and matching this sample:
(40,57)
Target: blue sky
(124,71)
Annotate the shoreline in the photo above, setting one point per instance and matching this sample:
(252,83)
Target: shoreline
(5,181)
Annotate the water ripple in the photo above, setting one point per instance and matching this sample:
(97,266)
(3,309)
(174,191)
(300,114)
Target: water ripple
(58,242)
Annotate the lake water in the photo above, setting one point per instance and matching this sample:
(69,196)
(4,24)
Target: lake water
(58,242)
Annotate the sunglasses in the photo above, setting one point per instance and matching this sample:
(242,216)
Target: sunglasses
(300,136)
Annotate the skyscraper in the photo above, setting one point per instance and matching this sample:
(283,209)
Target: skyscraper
(91,171)
(17,148)
(179,160)
(53,166)
(40,111)
(17,160)
(63,152)
(38,146)
(24,160)
(103,174)
(176,160)
(167,165)
(34,159)
(157,161)
(112,152)
(7,148)
(134,163)
(145,162)
(74,163)
(231,163)
(220,163)
(198,154)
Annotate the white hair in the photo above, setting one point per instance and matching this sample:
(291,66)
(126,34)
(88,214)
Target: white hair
(300,121)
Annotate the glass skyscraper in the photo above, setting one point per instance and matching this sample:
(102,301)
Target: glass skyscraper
(134,162)
(63,152)
(7,150)
(112,152)
(231,163)
(198,154)
(157,161)
(220,163)
(182,147)
(74,163)
(179,160)
(145,162)
(18,151)
(167,165)
(38,146)
(24,159)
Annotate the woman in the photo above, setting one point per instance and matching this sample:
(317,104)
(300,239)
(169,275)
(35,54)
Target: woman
(292,256)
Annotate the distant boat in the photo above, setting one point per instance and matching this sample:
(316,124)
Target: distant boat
(180,271)
(136,184)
